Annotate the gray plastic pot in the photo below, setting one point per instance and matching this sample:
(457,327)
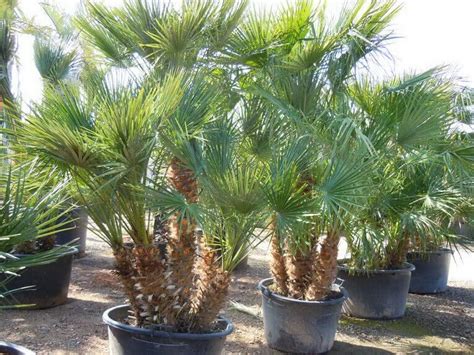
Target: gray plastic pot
(77,229)
(379,294)
(46,285)
(298,326)
(13,349)
(128,340)
(432,271)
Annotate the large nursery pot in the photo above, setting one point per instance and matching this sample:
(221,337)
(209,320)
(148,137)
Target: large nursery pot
(46,285)
(76,226)
(13,349)
(377,294)
(432,271)
(299,326)
(125,339)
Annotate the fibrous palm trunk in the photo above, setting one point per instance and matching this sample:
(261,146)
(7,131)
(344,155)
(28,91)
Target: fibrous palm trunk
(277,264)
(182,242)
(125,266)
(396,252)
(150,284)
(324,268)
(299,268)
(211,291)
(201,294)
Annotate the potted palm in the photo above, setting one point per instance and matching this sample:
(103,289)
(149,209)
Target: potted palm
(432,259)
(157,147)
(448,188)
(300,123)
(310,210)
(408,121)
(29,221)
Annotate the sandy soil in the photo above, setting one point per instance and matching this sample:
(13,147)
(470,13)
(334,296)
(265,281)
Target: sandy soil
(433,324)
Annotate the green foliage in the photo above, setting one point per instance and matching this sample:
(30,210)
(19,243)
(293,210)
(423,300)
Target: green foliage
(267,117)
(30,209)
(54,61)
(159,32)
(420,189)
(8,18)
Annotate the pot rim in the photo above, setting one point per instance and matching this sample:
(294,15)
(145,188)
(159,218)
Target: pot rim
(21,349)
(262,286)
(440,250)
(408,268)
(107,319)
(67,250)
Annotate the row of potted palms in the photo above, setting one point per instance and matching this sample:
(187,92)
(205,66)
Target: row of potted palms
(196,132)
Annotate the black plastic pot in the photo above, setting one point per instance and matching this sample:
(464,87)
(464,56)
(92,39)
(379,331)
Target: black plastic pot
(13,349)
(297,326)
(128,340)
(50,283)
(380,294)
(432,271)
(78,220)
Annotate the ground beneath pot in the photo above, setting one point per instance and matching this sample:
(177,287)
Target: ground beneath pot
(433,324)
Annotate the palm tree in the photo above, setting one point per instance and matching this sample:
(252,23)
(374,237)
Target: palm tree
(120,164)
(153,37)
(28,219)
(423,172)
(300,118)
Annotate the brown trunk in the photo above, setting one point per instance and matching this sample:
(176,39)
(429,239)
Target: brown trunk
(151,283)
(217,291)
(396,255)
(278,267)
(182,243)
(212,290)
(183,180)
(299,269)
(325,268)
(127,272)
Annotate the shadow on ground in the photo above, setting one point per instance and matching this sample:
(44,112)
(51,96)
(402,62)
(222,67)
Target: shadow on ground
(56,328)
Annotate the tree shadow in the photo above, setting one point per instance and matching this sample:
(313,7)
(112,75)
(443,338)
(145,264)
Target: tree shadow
(340,347)
(460,295)
(343,347)
(448,315)
(56,328)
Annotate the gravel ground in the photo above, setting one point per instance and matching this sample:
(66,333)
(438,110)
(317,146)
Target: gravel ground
(433,324)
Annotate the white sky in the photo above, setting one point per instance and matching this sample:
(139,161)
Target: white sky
(432,32)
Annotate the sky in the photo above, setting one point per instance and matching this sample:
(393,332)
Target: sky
(429,33)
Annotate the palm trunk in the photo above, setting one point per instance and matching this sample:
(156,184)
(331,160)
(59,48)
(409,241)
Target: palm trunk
(278,267)
(325,268)
(151,283)
(182,243)
(127,272)
(213,285)
(299,268)
(396,254)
